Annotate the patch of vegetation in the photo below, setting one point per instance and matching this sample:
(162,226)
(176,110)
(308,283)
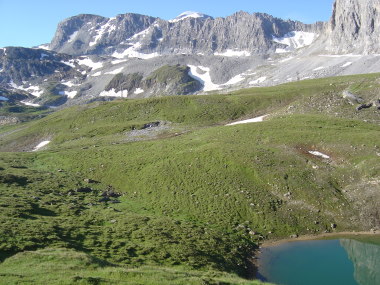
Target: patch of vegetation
(52,96)
(175,79)
(124,82)
(65,266)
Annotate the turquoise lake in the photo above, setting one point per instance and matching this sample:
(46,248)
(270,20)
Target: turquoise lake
(316,262)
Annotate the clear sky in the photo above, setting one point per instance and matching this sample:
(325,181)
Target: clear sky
(33,22)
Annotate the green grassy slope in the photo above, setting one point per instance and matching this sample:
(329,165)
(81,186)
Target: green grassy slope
(195,193)
(63,266)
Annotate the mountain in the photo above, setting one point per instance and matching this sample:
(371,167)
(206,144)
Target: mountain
(354,27)
(91,34)
(189,33)
(190,14)
(221,54)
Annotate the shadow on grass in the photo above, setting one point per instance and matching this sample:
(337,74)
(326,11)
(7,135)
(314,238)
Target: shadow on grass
(36,210)
(13,179)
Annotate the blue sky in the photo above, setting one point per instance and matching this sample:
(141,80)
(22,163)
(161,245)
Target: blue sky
(32,22)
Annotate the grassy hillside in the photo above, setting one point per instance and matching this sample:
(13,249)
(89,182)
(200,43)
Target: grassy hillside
(187,192)
(65,266)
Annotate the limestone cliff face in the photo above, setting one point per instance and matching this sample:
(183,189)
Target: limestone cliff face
(91,34)
(354,27)
(244,32)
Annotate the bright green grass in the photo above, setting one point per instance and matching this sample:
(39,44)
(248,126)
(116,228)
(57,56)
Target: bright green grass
(63,266)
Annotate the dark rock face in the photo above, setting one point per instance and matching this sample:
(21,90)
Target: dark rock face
(23,64)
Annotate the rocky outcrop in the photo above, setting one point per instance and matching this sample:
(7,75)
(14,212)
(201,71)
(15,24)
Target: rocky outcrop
(129,82)
(171,80)
(354,27)
(6,120)
(19,64)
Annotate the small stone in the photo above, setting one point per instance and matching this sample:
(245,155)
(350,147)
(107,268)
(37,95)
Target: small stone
(88,180)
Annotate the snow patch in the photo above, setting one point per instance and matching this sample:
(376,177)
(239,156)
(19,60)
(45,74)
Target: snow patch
(233,53)
(70,63)
(113,93)
(319,154)
(296,39)
(204,77)
(134,49)
(117,61)
(3,98)
(318,68)
(347,64)
(106,28)
(133,52)
(253,120)
(96,74)
(72,37)
(88,62)
(30,104)
(139,91)
(281,50)
(141,34)
(69,84)
(116,71)
(188,14)
(341,55)
(41,145)
(45,47)
(43,55)
(34,90)
(258,80)
(236,79)
(69,94)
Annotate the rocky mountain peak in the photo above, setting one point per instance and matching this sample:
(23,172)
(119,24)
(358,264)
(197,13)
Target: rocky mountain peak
(354,26)
(88,34)
(189,15)
(133,35)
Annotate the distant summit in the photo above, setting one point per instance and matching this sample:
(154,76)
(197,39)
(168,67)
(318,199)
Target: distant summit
(190,14)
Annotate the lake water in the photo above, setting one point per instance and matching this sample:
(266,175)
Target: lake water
(316,262)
